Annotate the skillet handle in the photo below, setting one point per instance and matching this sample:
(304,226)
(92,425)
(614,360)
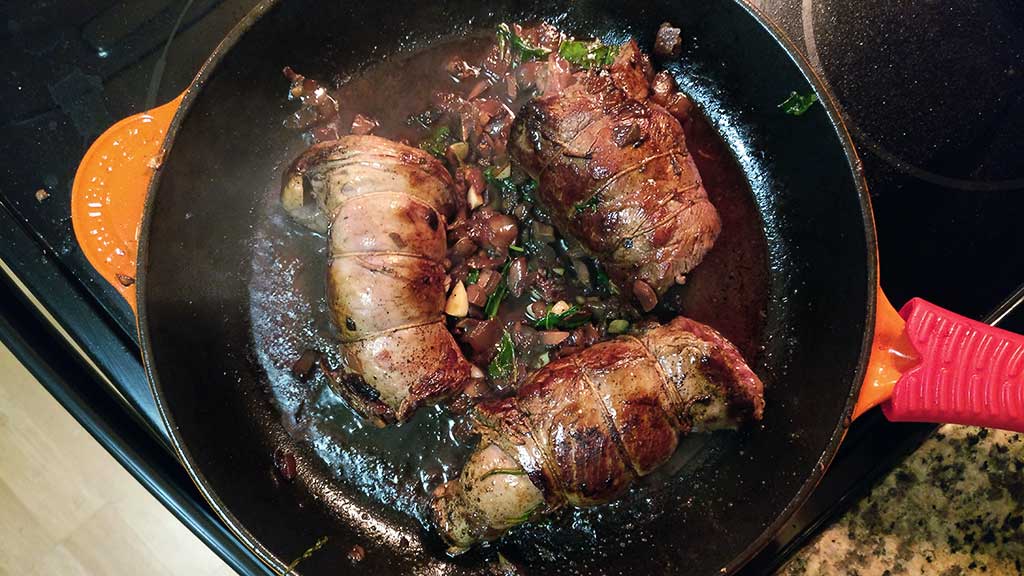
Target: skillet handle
(109,194)
(968,373)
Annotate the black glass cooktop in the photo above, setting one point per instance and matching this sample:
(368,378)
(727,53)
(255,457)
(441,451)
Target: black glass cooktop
(932,92)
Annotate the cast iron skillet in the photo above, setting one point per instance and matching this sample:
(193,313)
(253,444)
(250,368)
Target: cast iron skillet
(197,330)
(212,232)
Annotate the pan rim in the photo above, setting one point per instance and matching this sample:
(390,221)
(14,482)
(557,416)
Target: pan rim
(828,102)
(145,341)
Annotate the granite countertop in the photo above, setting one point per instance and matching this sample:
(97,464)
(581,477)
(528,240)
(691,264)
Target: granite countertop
(955,506)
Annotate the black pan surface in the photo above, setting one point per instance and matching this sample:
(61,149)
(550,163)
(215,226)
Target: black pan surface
(230,293)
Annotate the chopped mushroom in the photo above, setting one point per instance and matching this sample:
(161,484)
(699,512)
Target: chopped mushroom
(517,276)
(357,553)
(668,42)
(475,295)
(284,463)
(645,295)
(303,366)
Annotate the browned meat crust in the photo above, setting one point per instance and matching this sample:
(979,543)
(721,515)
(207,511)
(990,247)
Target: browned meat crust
(614,171)
(386,205)
(585,426)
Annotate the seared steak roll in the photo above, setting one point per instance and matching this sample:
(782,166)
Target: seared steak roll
(385,206)
(614,172)
(581,429)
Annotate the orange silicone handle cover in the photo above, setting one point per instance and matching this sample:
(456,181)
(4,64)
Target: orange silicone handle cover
(891,355)
(928,364)
(109,193)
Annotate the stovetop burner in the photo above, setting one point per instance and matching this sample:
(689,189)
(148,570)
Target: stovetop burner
(934,98)
(926,79)
(931,92)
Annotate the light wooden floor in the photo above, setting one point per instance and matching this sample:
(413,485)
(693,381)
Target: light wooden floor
(68,508)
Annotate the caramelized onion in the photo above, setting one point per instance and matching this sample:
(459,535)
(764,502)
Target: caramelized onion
(463,248)
(488,281)
(481,336)
(476,295)
(362,125)
(542,232)
(553,337)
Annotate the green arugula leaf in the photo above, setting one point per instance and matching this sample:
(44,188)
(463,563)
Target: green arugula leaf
(307,554)
(438,140)
(504,363)
(494,300)
(588,205)
(588,53)
(603,281)
(504,186)
(518,49)
(797,104)
(571,318)
(575,322)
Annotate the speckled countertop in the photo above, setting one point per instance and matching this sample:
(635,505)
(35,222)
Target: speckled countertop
(955,506)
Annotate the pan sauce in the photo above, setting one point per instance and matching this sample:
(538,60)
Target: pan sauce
(399,466)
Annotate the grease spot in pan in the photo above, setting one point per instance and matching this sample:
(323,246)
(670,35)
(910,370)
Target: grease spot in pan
(395,467)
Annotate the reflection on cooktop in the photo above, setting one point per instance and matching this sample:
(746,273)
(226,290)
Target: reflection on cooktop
(942,100)
(934,97)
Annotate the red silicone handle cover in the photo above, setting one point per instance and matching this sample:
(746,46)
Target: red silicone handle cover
(969,372)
